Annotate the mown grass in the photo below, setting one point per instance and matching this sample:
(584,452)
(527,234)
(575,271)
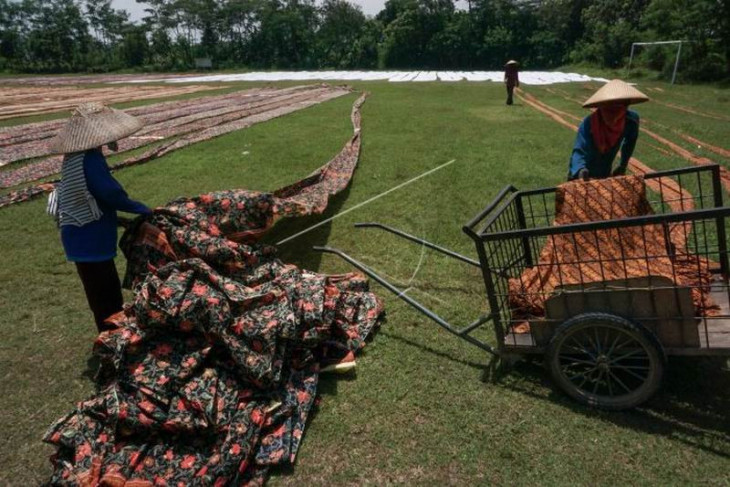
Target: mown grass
(417,411)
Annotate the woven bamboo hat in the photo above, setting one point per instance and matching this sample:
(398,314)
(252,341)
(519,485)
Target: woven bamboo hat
(511,62)
(93,125)
(613,92)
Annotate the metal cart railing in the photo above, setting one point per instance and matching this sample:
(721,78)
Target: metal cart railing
(605,341)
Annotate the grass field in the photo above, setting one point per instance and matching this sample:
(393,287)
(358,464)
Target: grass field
(417,411)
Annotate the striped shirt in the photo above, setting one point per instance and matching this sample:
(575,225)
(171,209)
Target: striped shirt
(76,205)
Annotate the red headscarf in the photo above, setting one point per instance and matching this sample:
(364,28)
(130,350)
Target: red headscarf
(607,126)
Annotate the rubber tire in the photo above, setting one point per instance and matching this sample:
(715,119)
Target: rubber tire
(637,332)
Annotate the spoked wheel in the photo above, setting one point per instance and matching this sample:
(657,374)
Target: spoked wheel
(606,361)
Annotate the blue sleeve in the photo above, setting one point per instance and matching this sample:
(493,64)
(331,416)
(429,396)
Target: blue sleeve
(581,148)
(631,134)
(105,188)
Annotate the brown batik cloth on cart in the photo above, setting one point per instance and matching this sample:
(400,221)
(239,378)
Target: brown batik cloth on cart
(610,254)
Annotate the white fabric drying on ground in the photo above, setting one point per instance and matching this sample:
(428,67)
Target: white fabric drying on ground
(526,77)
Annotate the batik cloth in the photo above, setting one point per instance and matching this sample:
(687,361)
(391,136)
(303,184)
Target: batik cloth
(611,254)
(209,374)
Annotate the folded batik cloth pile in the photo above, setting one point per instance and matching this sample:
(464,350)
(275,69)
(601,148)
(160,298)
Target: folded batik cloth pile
(579,258)
(211,371)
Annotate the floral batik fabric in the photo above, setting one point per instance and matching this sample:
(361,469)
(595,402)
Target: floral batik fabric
(209,374)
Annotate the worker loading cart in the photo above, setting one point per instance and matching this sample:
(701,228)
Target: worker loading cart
(610,128)
(605,278)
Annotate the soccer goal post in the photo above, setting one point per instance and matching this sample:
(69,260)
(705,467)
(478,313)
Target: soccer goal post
(676,61)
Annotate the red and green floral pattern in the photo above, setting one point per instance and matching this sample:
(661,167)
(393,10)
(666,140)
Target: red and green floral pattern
(210,372)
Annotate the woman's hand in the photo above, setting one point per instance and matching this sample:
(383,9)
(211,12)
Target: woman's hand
(583,174)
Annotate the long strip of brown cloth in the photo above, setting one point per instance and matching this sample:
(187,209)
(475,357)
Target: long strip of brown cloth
(610,254)
(210,373)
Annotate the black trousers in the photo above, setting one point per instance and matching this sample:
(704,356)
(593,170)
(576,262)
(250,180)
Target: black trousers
(510,90)
(103,289)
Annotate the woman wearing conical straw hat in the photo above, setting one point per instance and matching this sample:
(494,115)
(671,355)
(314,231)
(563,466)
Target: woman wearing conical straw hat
(610,128)
(87,199)
(511,78)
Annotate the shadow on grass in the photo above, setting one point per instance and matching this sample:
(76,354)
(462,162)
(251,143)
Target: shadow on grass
(92,367)
(299,250)
(690,408)
(482,367)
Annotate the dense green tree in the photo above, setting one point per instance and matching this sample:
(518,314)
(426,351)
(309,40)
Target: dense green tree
(135,49)
(90,35)
(10,37)
(237,24)
(56,36)
(108,27)
(610,28)
(337,40)
(558,28)
(705,22)
(413,32)
(285,37)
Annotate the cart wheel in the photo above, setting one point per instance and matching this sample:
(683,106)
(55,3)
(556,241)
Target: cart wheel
(606,361)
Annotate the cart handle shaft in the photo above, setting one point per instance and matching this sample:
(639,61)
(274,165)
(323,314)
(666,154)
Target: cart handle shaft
(415,239)
(462,333)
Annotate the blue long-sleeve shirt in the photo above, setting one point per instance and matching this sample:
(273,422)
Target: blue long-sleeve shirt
(97,241)
(586,154)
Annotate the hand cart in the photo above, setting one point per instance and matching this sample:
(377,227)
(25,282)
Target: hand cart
(605,343)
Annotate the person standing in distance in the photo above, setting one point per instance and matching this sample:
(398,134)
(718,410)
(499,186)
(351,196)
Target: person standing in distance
(511,78)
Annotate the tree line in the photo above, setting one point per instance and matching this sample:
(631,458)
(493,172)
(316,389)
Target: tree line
(92,36)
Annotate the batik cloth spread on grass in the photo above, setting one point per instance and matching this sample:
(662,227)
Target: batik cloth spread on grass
(212,369)
(89,79)
(28,141)
(21,102)
(194,128)
(160,125)
(610,254)
(199,125)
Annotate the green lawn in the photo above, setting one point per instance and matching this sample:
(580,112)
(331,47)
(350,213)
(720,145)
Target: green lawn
(417,411)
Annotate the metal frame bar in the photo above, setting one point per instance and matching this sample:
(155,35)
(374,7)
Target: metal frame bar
(497,199)
(721,236)
(469,227)
(687,216)
(417,240)
(651,175)
(461,333)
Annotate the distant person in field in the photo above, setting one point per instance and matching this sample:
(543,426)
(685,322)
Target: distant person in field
(87,199)
(610,128)
(511,78)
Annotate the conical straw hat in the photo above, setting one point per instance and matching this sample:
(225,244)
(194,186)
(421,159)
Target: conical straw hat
(615,91)
(511,61)
(93,125)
